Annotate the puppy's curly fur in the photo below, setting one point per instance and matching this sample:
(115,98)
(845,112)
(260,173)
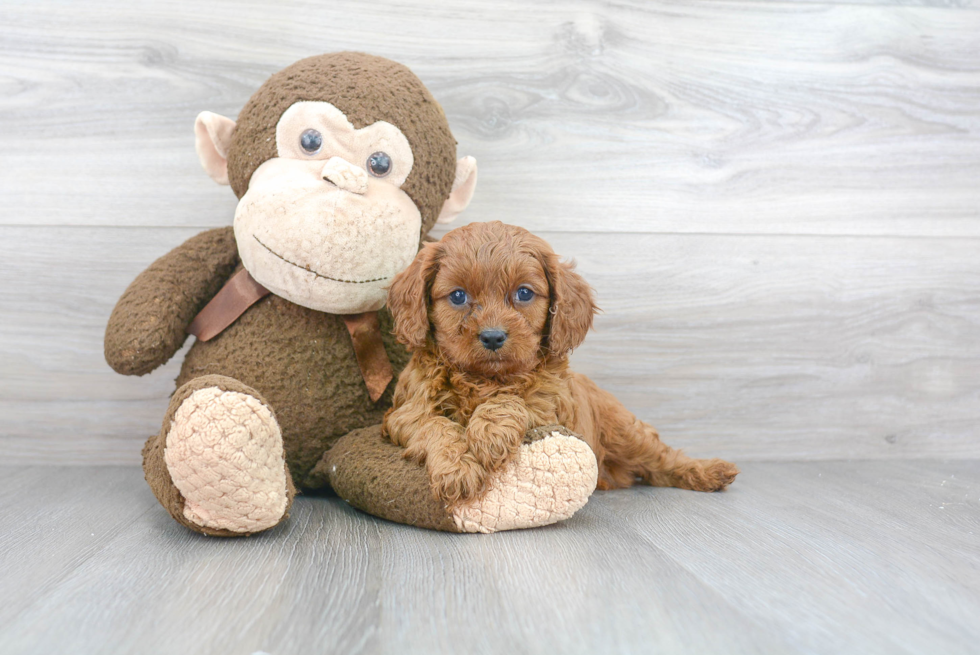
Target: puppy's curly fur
(465,400)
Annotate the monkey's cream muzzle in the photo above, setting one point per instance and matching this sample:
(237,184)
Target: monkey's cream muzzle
(324,236)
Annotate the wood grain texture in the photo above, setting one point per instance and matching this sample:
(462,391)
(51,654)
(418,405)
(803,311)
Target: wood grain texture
(831,554)
(722,117)
(55,519)
(757,347)
(777,202)
(824,557)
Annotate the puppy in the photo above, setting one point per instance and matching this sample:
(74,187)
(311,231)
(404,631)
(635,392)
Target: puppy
(491,315)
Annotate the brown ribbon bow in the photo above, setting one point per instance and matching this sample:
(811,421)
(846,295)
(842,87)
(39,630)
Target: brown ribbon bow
(242,291)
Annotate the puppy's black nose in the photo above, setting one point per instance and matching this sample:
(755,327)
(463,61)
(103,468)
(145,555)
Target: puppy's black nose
(493,339)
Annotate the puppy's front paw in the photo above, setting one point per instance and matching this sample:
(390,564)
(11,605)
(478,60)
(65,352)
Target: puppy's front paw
(459,482)
(496,430)
(415,452)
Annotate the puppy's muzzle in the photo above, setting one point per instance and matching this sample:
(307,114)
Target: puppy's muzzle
(493,339)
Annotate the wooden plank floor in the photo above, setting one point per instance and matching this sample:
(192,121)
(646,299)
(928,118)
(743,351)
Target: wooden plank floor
(818,557)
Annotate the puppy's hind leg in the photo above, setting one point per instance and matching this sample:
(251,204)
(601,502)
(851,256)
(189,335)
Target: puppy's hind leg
(630,448)
(660,465)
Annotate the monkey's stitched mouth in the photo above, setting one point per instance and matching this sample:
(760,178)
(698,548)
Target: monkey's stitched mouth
(309,270)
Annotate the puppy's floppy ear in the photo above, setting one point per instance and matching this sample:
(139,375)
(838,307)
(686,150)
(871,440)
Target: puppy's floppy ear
(572,306)
(408,297)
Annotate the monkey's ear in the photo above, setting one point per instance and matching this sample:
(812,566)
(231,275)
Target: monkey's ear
(212,139)
(408,297)
(572,306)
(463,187)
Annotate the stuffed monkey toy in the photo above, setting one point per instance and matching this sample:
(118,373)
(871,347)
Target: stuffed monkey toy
(342,163)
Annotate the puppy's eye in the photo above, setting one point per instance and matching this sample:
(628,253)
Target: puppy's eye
(458,297)
(311,141)
(524,294)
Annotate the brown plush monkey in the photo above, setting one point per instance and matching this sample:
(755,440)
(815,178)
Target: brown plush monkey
(341,164)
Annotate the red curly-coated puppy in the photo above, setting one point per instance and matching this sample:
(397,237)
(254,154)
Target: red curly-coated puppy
(491,316)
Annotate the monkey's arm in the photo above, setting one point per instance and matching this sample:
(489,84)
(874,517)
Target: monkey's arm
(553,476)
(148,323)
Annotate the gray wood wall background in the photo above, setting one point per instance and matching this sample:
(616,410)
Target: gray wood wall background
(777,202)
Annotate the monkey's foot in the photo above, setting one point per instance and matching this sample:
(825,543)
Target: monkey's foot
(224,454)
(552,478)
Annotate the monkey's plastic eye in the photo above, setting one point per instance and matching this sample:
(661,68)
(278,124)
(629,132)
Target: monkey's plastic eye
(524,294)
(458,297)
(379,164)
(311,141)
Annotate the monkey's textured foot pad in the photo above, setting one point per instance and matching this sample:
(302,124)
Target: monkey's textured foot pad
(225,456)
(550,480)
